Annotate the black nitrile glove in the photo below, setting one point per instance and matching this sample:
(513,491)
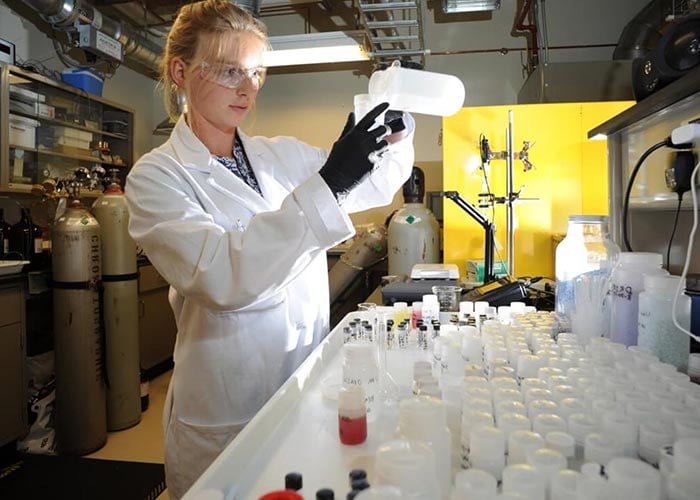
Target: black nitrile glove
(349,160)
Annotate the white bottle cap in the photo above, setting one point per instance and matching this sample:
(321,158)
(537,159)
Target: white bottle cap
(569,406)
(474,483)
(601,448)
(564,484)
(623,427)
(687,426)
(653,435)
(471,419)
(547,462)
(642,411)
(503,382)
(632,478)
(507,394)
(421,417)
(487,450)
(359,352)
(532,383)
(545,423)
(385,492)
(537,393)
(466,307)
(511,422)
(408,465)
(473,369)
(506,406)
(562,392)
(480,307)
(528,365)
(562,442)
(520,443)
(523,479)
(686,457)
(539,406)
(580,425)
(478,404)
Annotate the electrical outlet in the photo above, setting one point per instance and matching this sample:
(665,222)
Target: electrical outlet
(678,174)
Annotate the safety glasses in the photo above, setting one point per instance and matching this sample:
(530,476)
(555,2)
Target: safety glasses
(232,77)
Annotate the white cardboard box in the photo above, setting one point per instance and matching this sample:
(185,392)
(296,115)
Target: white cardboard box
(23,131)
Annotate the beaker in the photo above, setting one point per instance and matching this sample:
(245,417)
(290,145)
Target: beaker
(448,297)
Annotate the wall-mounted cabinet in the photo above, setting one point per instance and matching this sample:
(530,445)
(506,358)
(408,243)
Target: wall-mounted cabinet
(48,129)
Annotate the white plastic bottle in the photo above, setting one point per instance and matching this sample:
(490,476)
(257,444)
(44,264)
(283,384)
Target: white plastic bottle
(424,418)
(657,332)
(626,283)
(360,367)
(417,91)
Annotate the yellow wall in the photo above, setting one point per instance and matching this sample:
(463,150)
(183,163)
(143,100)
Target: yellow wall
(570,177)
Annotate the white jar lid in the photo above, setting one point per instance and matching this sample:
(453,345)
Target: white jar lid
(650,259)
(563,442)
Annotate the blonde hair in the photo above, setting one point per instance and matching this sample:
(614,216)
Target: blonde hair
(200,28)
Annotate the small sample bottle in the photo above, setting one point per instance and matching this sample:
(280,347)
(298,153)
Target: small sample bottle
(352,415)
(361,368)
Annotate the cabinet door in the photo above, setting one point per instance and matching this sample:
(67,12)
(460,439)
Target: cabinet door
(12,391)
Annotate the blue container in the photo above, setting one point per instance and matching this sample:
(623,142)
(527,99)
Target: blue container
(85,79)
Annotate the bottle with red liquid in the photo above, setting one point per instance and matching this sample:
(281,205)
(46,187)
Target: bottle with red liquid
(352,415)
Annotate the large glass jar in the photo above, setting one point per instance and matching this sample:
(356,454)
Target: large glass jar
(584,261)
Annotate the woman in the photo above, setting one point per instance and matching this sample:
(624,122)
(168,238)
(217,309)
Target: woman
(239,227)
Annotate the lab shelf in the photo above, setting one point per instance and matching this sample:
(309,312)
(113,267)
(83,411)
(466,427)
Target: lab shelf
(59,127)
(86,158)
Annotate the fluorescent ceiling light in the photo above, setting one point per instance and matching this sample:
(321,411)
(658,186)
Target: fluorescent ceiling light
(599,137)
(454,6)
(316,48)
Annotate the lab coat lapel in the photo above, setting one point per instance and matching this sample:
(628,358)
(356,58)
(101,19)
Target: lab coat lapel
(194,154)
(229,184)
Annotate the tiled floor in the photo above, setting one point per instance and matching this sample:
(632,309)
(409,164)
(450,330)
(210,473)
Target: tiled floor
(144,441)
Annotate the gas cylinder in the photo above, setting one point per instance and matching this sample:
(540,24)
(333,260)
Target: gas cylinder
(414,232)
(120,308)
(368,248)
(81,414)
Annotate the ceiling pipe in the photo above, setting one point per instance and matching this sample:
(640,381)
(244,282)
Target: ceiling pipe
(62,14)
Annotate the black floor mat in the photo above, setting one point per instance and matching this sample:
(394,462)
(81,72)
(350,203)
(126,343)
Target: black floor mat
(44,477)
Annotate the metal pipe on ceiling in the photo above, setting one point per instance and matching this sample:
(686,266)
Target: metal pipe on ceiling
(62,14)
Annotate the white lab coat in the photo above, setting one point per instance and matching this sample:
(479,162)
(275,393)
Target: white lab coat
(248,275)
